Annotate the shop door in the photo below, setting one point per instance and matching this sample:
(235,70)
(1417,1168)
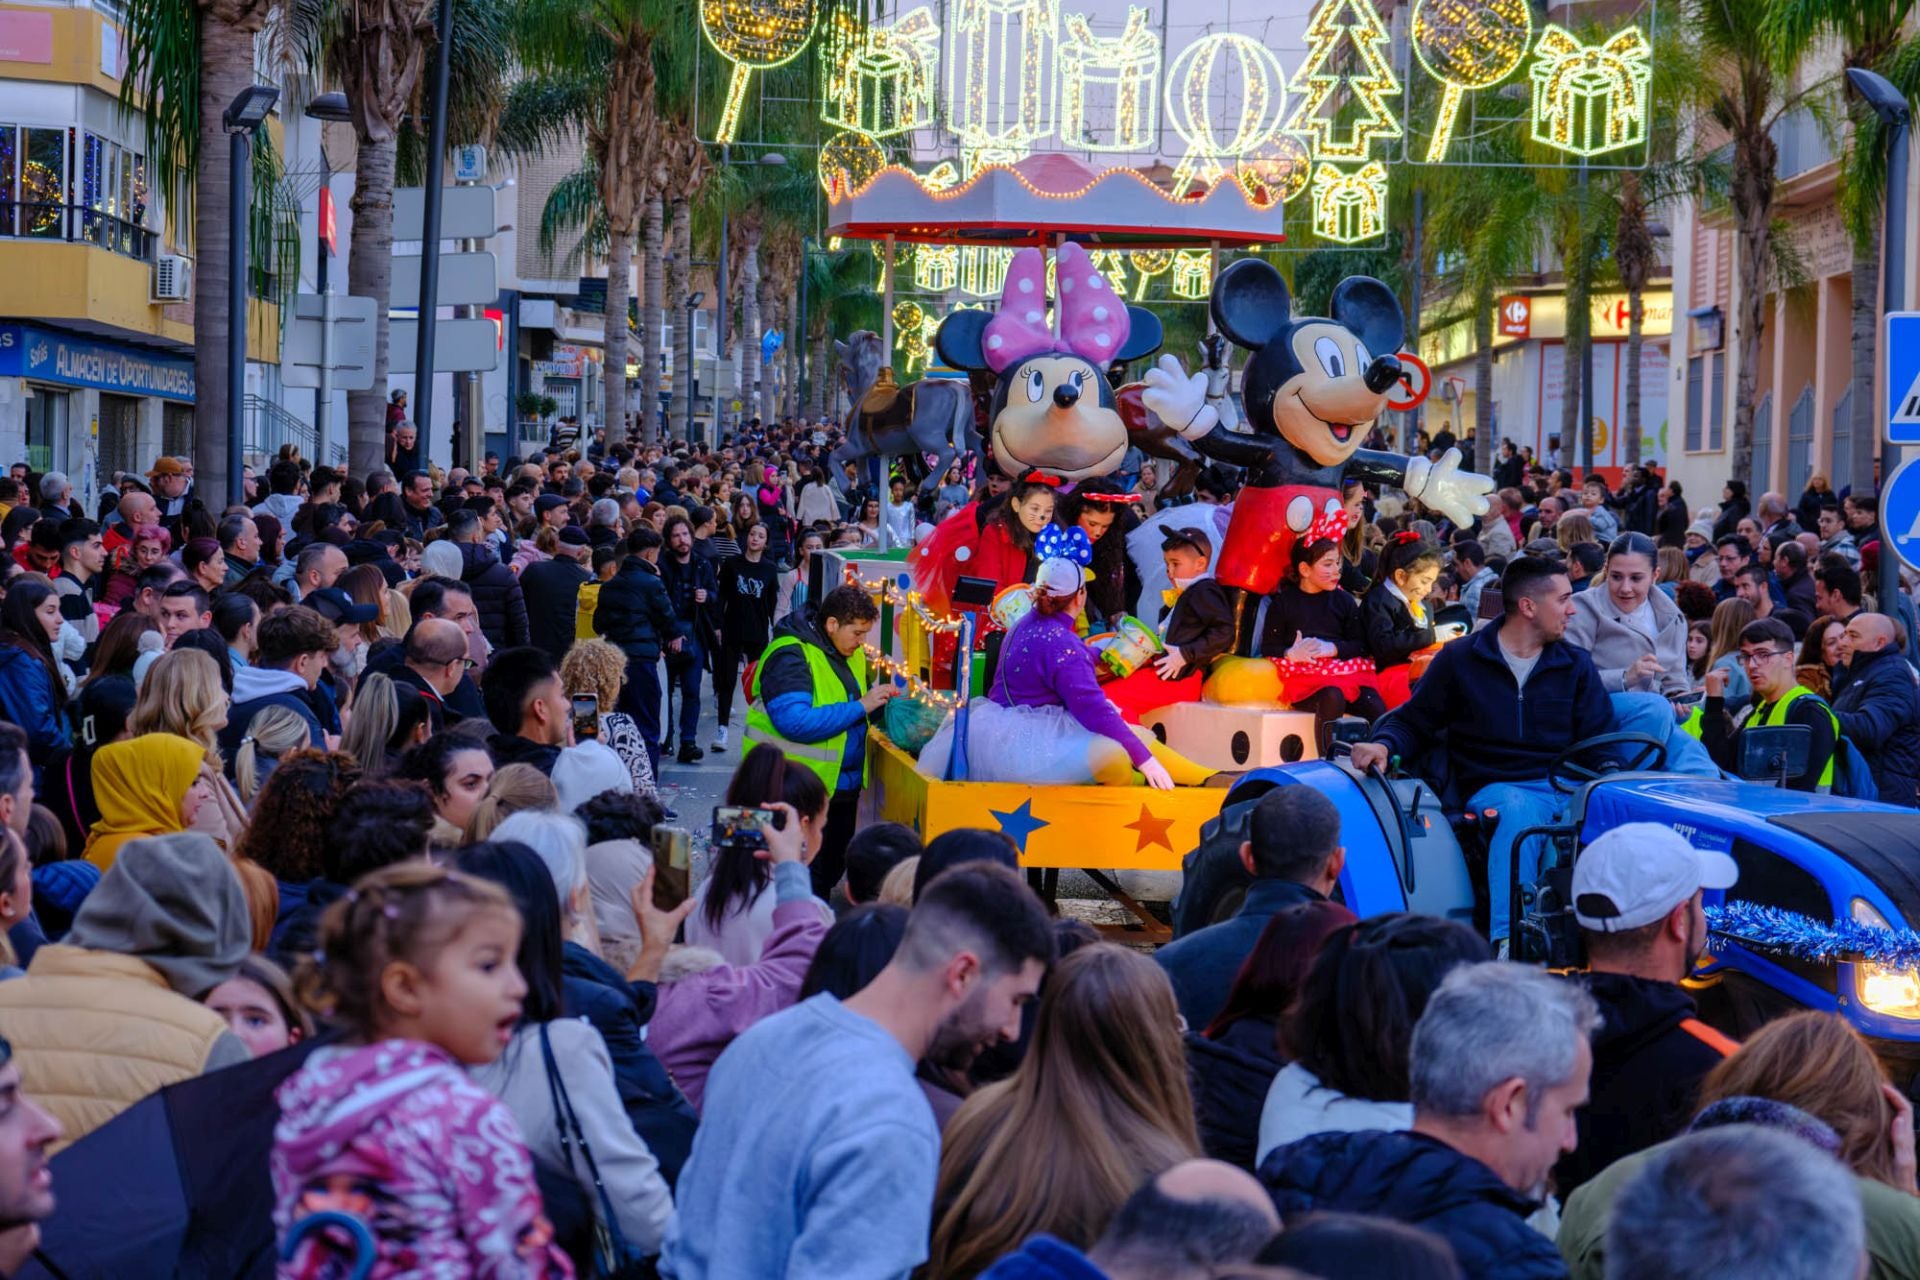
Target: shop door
(176,432)
(46,428)
(119,444)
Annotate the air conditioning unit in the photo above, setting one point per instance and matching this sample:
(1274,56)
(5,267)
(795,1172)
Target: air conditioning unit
(172,278)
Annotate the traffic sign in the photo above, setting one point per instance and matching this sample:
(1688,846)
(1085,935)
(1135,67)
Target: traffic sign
(470,163)
(1900,512)
(466,213)
(459,346)
(1900,363)
(466,279)
(351,351)
(1411,393)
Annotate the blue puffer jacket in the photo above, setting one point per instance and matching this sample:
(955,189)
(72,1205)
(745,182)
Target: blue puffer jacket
(1879,708)
(26,700)
(1044,1258)
(1420,1181)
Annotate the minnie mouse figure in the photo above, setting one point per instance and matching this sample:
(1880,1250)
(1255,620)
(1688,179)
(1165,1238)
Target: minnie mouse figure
(1311,390)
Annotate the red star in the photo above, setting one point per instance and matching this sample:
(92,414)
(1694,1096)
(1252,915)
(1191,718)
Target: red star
(1152,831)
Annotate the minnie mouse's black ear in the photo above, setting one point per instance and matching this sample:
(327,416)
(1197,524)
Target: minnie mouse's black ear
(959,339)
(1251,304)
(1144,335)
(1371,310)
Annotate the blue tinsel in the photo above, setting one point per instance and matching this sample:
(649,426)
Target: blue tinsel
(1770,929)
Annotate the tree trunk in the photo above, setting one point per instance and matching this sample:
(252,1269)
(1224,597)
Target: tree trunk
(370,275)
(789,309)
(1633,256)
(226,67)
(653,265)
(614,371)
(1483,304)
(768,381)
(820,370)
(750,320)
(1630,432)
(677,293)
(1576,437)
(1865,416)
(1755,164)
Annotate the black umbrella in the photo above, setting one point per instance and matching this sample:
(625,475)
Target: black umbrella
(175,1185)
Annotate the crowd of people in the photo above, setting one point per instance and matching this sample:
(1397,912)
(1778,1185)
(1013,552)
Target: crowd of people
(347,800)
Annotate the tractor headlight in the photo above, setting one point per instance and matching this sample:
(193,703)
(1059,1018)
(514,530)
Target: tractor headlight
(1881,988)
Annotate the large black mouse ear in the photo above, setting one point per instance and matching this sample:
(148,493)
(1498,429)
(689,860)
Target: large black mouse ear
(959,339)
(1371,310)
(1250,303)
(1144,335)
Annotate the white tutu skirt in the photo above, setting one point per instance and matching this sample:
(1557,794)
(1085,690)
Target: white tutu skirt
(1042,745)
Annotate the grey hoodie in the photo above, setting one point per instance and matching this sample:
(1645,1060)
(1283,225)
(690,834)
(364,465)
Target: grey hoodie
(174,903)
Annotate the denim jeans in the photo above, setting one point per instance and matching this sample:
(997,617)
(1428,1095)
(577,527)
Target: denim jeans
(686,682)
(640,698)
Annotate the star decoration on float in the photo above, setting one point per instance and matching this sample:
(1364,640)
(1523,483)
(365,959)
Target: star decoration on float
(1017,824)
(1151,831)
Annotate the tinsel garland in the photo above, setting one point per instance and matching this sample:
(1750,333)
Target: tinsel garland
(1787,933)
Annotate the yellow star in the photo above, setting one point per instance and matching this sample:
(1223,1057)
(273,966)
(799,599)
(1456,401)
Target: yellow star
(1152,831)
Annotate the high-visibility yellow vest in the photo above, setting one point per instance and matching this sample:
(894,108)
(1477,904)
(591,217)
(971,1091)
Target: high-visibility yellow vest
(1767,717)
(823,758)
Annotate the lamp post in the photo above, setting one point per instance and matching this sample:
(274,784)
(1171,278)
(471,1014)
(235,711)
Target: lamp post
(243,116)
(693,304)
(327,108)
(1890,105)
(430,230)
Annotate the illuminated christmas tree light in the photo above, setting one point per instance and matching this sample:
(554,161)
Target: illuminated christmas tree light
(1589,99)
(1148,263)
(1467,44)
(753,35)
(883,84)
(1128,66)
(1275,171)
(1212,64)
(1113,264)
(848,162)
(1192,273)
(1000,72)
(1350,207)
(1354,24)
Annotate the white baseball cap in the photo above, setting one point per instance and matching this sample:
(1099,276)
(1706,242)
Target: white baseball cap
(1636,873)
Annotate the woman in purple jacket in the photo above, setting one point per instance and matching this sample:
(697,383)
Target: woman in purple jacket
(1046,720)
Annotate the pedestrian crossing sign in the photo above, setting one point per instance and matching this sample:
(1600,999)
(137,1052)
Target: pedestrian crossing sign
(1900,357)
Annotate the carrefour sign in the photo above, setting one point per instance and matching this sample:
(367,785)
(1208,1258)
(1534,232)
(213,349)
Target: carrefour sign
(46,356)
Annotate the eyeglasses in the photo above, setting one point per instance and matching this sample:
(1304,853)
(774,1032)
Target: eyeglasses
(1754,657)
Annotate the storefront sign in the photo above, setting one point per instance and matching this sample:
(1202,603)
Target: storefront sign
(26,37)
(45,356)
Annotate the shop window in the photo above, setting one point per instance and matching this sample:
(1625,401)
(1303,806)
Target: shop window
(176,431)
(46,428)
(119,438)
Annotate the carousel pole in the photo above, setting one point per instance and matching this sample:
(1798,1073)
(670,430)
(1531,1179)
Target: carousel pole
(1059,239)
(877,467)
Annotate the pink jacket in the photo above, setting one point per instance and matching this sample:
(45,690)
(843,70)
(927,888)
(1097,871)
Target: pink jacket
(698,1016)
(397,1135)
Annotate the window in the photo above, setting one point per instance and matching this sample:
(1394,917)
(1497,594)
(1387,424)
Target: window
(43,184)
(113,196)
(9,165)
(1696,391)
(1717,412)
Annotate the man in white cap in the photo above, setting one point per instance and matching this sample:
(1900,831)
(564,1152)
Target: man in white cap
(1637,899)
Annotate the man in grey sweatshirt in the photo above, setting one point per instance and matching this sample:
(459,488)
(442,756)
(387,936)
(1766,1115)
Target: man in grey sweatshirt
(817,1151)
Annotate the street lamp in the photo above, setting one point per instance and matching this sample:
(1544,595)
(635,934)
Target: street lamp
(1891,106)
(243,116)
(693,304)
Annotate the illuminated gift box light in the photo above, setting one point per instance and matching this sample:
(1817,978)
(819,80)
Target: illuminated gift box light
(884,85)
(1000,73)
(1192,273)
(983,270)
(936,268)
(1350,207)
(1589,99)
(1125,69)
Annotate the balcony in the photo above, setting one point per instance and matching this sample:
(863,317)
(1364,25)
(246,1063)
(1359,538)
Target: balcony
(74,223)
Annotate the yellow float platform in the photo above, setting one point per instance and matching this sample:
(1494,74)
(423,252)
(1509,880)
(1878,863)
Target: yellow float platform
(1064,827)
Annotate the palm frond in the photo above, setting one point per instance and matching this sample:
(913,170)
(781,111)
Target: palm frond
(162,85)
(572,206)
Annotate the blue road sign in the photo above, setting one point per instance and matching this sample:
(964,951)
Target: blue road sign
(1900,358)
(1900,512)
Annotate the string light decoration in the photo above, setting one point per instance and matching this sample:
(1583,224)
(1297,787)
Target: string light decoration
(936,268)
(754,35)
(848,162)
(1590,99)
(1208,67)
(940,177)
(1192,273)
(1113,264)
(1127,67)
(1275,171)
(882,84)
(1467,45)
(1146,264)
(983,270)
(1356,25)
(1349,207)
(999,75)
(909,326)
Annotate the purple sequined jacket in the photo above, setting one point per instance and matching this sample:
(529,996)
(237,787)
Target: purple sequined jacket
(1044,664)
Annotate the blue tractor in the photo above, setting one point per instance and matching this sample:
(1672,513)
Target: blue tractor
(1816,856)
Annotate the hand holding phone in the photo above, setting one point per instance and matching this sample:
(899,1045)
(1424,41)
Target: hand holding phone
(672,865)
(586,716)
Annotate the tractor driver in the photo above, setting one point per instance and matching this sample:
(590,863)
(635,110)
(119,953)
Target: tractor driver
(1513,696)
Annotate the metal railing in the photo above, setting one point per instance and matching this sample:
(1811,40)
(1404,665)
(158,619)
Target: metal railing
(23,219)
(268,426)
(1759,482)
(1800,441)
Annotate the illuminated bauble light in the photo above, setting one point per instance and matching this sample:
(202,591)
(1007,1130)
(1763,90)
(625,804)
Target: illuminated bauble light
(754,35)
(1344,82)
(1125,68)
(1275,171)
(1467,44)
(848,162)
(1589,99)
(1213,67)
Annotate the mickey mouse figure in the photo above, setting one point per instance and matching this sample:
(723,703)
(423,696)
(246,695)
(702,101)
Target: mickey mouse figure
(1311,390)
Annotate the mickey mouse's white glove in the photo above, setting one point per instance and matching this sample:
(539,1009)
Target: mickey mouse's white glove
(1460,496)
(1179,400)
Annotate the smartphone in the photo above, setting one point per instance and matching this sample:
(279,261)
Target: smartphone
(672,866)
(586,716)
(738,827)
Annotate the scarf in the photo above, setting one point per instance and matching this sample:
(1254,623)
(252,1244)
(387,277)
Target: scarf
(138,785)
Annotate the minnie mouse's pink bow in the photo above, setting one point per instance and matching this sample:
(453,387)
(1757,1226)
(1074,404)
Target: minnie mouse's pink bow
(1328,525)
(1093,322)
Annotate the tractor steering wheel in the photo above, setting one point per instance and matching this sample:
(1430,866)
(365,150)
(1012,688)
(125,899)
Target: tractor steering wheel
(1568,774)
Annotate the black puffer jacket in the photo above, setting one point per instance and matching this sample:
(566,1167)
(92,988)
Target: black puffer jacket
(1230,1078)
(1879,709)
(1420,1181)
(496,595)
(634,612)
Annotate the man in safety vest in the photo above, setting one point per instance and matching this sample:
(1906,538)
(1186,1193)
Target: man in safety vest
(809,698)
(1767,654)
